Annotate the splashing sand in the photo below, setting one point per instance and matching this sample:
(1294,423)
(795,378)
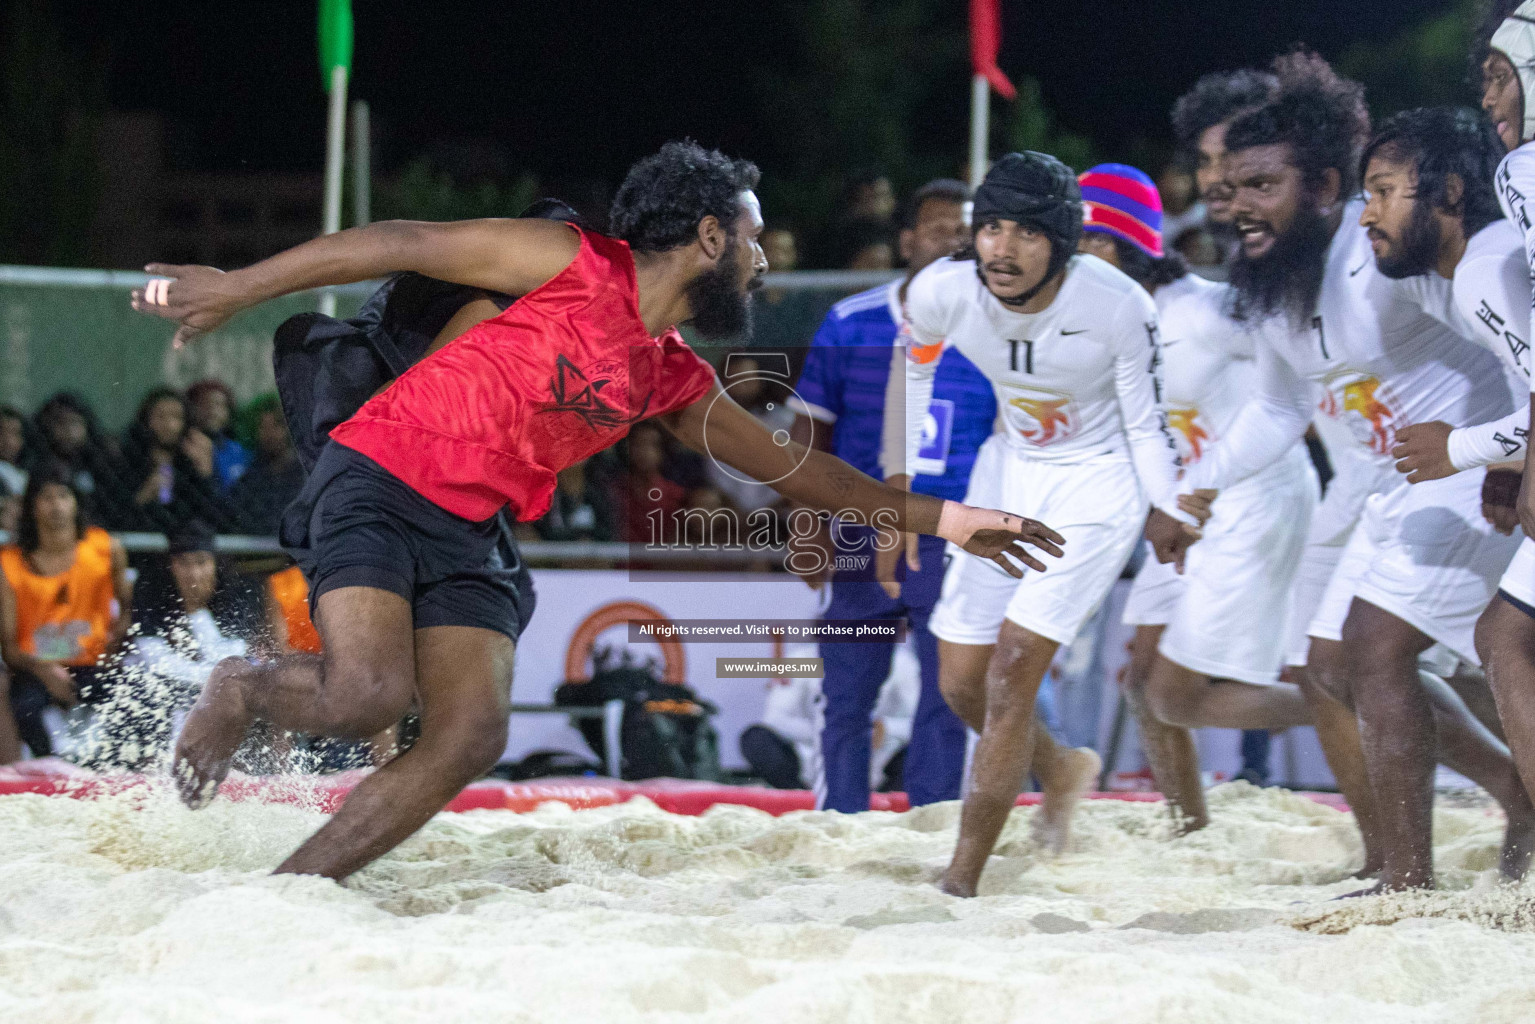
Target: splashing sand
(130,908)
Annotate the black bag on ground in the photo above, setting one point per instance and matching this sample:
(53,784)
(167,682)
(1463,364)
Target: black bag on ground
(665,732)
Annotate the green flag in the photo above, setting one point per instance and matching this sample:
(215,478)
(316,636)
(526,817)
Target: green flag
(335,38)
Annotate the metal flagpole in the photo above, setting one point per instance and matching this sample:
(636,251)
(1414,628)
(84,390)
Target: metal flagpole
(335,152)
(362,170)
(980,120)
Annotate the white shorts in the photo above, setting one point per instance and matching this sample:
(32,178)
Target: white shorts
(1423,553)
(1519,581)
(1097,506)
(1226,614)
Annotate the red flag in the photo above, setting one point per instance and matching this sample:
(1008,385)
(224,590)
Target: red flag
(985,41)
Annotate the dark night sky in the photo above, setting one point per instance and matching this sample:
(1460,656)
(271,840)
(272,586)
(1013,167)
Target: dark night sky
(574,89)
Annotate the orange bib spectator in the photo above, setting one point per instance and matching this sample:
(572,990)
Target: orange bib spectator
(290,592)
(64,593)
(65,618)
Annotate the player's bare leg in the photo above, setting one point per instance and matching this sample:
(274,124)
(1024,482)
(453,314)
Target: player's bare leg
(1013,674)
(1407,724)
(362,684)
(465,681)
(1470,748)
(1505,639)
(1065,774)
(1471,686)
(1181,696)
(1324,682)
(1170,749)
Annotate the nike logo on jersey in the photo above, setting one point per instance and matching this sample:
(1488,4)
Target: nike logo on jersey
(1067,334)
(1357,269)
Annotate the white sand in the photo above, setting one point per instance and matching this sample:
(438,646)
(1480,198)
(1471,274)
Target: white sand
(628,914)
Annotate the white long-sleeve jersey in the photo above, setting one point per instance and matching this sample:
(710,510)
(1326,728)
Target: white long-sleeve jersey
(1492,296)
(1208,370)
(1077,382)
(1377,354)
(1515,183)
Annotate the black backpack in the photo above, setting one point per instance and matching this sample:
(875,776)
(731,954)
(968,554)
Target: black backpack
(665,732)
(327,368)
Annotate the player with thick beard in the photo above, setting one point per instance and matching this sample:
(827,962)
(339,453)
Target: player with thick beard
(1195,660)
(416,584)
(1419,563)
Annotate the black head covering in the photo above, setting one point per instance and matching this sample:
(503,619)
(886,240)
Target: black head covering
(1036,189)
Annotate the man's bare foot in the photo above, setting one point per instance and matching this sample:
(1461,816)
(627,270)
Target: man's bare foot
(213,732)
(1518,843)
(1074,773)
(1184,822)
(954,887)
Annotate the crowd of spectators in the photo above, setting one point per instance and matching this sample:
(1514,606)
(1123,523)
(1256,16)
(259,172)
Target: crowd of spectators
(186,456)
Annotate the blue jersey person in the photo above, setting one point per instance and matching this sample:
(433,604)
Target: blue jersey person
(843,384)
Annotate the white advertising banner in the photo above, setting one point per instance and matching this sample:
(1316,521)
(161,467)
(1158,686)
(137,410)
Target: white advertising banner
(581,611)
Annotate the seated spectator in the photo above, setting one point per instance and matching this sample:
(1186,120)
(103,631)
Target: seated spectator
(1181,209)
(64,599)
(275,475)
(68,433)
(166,472)
(211,405)
(579,509)
(13,443)
(191,612)
(869,246)
(288,612)
(645,499)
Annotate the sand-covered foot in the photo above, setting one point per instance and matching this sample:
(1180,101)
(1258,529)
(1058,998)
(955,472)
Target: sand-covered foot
(956,887)
(1073,775)
(213,732)
(1518,843)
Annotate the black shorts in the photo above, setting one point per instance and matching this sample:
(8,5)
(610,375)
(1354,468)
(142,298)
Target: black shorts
(355,524)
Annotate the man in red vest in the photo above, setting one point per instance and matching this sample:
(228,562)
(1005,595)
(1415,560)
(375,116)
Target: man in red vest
(417,586)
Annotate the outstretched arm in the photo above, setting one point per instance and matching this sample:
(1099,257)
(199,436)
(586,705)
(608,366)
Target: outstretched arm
(721,429)
(502,255)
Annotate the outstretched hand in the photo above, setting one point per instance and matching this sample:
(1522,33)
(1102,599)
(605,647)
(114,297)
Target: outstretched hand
(1170,539)
(199,299)
(995,535)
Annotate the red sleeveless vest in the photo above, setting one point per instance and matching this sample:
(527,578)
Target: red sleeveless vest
(491,417)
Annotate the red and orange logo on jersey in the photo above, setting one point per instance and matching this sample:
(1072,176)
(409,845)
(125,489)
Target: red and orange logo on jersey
(1041,417)
(1190,433)
(1364,405)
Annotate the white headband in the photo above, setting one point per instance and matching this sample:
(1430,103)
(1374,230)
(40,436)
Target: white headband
(1515,39)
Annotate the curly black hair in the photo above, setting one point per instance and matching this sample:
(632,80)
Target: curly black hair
(1442,141)
(1319,114)
(1215,98)
(664,196)
(1148,271)
(1490,15)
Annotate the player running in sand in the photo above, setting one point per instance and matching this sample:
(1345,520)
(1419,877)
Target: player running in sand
(417,588)
(1376,352)
(1070,346)
(1506,632)
(1196,659)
